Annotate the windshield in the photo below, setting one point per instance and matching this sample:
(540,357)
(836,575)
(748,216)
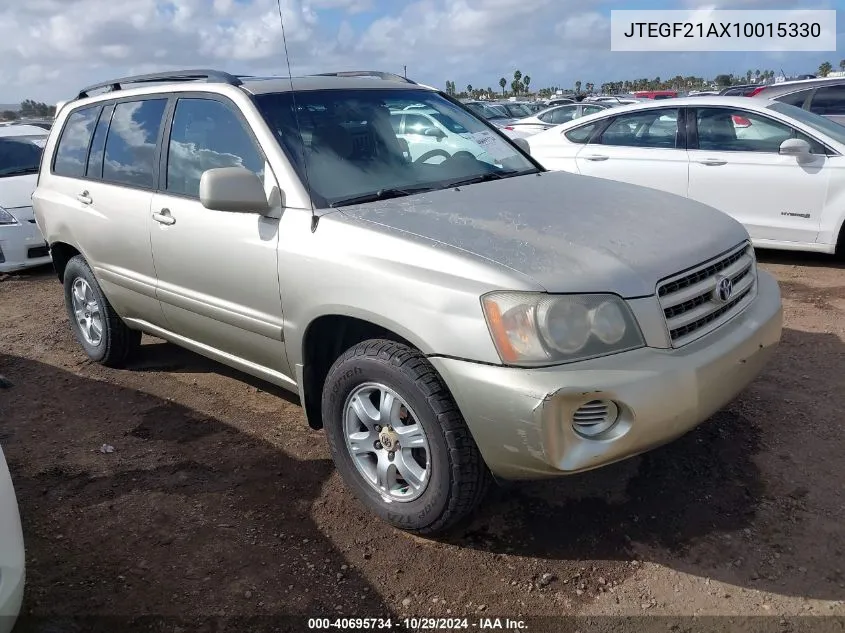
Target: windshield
(360,144)
(820,123)
(20,154)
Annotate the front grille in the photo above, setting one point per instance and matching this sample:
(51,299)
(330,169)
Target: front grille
(690,301)
(37,251)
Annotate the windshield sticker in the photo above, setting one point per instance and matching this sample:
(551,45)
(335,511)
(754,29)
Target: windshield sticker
(494,146)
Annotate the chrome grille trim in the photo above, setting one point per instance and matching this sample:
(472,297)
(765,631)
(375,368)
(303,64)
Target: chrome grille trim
(687,299)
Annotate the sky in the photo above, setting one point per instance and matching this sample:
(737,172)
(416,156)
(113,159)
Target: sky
(52,48)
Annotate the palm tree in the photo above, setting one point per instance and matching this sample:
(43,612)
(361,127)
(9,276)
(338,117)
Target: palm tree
(825,68)
(578,87)
(748,74)
(517,75)
(525,82)
(842,65)
(503,82)
(757,74)
(469,89)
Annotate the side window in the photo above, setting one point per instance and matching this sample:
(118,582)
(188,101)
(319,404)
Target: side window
(650,128)
(591,110)
(582,133)
(829,100)
(72,151)
(546,117)
(207,134)
(725,130)
(417,124)
(564,115)
(795,98)
(98,145)
(396,123)
(130,151)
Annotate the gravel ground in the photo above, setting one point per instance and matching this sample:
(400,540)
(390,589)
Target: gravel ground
(218,501)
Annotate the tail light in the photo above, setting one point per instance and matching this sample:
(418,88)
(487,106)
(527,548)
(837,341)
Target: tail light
(756,91)
(509,127)
(740,121)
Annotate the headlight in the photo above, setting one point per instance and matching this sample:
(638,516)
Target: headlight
(530,328)
(6,217)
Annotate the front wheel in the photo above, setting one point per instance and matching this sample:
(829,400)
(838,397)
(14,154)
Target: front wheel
(399,440)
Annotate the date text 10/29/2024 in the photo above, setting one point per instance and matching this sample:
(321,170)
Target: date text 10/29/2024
(416,624)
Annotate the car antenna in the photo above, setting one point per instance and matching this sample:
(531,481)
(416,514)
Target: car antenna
(314,217)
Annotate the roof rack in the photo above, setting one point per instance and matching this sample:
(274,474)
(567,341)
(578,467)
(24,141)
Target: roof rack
(211,76)
(368,73)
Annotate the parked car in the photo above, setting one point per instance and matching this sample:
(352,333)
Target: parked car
(21,244)
(549,118)
(655,94)
(430,136)
(12,560)
(825,97)
(440,322)
(741,90)
(516,109)
(559,101)
(776,168)
(491,112)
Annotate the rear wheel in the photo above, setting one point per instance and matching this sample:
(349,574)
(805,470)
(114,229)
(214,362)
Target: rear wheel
(103,335)
(398,438)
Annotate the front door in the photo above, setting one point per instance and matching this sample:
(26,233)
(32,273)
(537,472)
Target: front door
(736,167)
(643,148)
(217,271)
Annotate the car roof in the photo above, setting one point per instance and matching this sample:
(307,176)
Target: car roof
(22,130)
(696,102)
(794,86)
(264,85)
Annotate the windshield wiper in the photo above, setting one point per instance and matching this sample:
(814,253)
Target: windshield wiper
(493,175)
(19,171)
(381,194)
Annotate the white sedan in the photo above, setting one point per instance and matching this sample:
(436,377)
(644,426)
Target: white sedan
(550,117)
(21,243)
(776,168)
(11,552)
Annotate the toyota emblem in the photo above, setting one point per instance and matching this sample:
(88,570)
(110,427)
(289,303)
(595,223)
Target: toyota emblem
(724,289)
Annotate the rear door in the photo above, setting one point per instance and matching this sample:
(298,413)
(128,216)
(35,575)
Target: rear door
(736,167)
(218,279)
(644,147)
(103,176)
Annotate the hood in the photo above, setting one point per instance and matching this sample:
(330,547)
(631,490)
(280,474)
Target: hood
(16,191)
(569,233)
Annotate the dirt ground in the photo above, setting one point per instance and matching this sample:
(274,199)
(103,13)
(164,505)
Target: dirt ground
(218,501)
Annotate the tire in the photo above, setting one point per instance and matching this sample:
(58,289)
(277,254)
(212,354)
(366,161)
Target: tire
(457,477)
(115,343)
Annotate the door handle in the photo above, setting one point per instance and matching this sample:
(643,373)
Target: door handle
(596,157)
(164,217)
(713,162)
(84,198)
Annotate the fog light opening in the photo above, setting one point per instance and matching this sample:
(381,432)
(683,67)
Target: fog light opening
(595,417)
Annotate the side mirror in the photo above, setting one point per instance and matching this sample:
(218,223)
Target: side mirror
(232,189)
(522,144)
(795,147)
(435,132)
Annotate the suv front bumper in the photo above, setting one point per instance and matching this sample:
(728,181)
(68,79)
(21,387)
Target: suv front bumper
(521,419)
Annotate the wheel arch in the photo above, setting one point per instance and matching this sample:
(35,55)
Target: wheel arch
(327,337)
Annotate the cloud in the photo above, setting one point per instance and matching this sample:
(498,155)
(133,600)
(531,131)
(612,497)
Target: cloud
(51,48)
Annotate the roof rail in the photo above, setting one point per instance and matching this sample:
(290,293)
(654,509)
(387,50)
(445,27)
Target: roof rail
(215,76)
(368,73)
